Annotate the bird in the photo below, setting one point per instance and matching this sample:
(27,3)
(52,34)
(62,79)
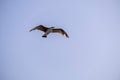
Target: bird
(48,30)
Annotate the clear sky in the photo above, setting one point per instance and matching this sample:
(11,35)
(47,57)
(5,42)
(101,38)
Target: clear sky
(91,53)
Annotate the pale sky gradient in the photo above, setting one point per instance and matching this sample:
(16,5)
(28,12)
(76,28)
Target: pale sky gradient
(91,53)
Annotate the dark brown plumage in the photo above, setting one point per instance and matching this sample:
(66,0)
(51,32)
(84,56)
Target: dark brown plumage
(50,30)
(61,31)
(40,27)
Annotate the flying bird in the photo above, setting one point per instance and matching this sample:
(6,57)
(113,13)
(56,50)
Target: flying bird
(49,30)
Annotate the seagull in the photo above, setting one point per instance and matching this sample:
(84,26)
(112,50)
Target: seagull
(49,30)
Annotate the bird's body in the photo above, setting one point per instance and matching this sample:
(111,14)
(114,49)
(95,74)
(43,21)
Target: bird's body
(50,30)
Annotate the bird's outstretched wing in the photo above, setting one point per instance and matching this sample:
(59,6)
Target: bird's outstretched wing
(61,31)
(40,27)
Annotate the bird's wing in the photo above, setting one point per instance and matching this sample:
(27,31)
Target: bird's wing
(61,31)
(40,27)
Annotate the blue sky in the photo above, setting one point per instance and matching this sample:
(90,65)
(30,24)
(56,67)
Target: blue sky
(91,53)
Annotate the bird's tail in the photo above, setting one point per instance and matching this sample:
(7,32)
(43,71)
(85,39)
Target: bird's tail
(44,36)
